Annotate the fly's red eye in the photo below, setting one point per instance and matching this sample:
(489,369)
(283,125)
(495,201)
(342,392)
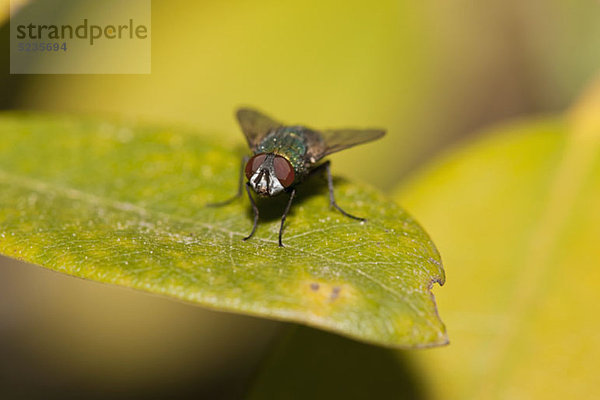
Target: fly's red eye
(253,164)
(283,171)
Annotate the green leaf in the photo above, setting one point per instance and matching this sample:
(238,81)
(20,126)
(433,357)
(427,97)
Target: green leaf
(125,204)
(517,217)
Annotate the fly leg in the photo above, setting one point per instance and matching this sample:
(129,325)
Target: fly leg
(285,213)
(255,213)
(239,191)
(327,166)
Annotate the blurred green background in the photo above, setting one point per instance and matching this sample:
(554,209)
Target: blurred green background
(433,73)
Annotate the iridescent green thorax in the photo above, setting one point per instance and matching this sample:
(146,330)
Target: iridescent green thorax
(288,142)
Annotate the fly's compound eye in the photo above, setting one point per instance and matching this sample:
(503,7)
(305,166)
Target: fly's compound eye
(283,171)
(253,164)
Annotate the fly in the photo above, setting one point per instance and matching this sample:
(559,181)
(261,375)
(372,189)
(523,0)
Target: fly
(283,156)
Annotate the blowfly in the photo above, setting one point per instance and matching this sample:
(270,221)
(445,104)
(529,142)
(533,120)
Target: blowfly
(284,156)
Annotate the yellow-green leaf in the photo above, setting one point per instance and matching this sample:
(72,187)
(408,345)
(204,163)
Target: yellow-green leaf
(125,204)
(4,10)
(517,217)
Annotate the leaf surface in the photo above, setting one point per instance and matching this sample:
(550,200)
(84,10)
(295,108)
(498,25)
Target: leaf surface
(125,204)
(517,217)
(4,10)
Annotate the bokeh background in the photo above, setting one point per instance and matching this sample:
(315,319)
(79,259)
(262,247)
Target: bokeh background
(433,73)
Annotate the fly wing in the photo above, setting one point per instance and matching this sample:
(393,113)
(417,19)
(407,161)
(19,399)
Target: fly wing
(330,141)
(255,125)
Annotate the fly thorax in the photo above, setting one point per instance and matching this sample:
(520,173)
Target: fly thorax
(264,181)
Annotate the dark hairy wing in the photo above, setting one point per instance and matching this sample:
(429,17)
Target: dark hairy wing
(330,141)
(255,125)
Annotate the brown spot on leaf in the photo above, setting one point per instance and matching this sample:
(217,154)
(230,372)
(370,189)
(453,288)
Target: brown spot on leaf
(322,297)
(335,292)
